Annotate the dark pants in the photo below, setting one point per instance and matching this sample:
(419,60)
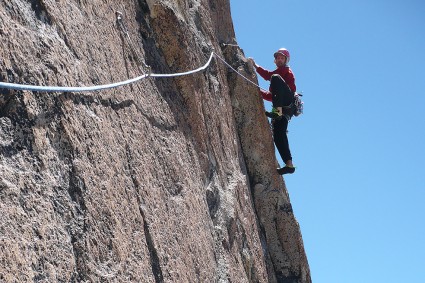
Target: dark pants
(280,138)
(282,96)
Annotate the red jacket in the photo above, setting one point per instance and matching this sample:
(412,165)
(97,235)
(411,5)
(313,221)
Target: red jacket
(284,72)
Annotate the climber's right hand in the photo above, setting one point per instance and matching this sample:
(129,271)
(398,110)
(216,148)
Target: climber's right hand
(252,62)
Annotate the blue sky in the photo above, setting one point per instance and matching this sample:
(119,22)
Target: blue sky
(359,147)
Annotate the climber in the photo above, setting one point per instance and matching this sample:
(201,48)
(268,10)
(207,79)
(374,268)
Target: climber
(281,94)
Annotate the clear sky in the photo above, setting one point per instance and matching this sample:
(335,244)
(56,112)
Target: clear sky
(359,147)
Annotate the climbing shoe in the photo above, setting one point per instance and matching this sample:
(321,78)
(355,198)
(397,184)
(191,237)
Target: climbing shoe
(274,114)
(286,170)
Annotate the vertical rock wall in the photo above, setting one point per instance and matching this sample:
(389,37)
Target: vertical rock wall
(165,180)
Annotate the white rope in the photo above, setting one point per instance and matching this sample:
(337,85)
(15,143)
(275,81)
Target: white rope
(68,89)
(114,85)
(98,87)
(130,43)
(123,28)
(237,72)
(185,73)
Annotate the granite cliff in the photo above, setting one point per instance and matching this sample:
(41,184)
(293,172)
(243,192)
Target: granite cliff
(164,180)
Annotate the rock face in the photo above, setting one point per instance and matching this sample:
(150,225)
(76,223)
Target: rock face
(164,180)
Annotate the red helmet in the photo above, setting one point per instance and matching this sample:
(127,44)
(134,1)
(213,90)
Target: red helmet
(284,52)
